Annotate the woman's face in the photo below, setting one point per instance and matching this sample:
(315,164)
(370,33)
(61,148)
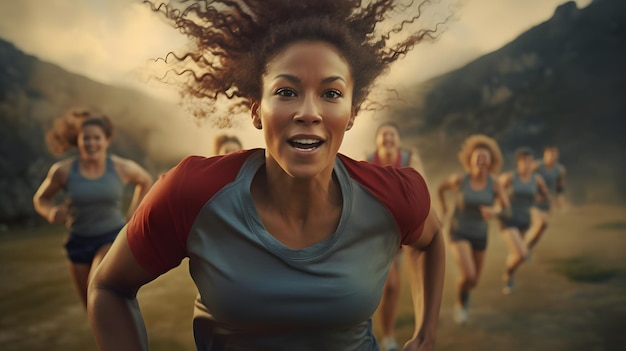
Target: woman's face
(387,138)
(480,159)
(525,164)
(550,156)
(228,147)
(92,142)
(305,108)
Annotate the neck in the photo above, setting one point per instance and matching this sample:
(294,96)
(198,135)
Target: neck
(479,174)
(92,163)
(387,155)
(297,200)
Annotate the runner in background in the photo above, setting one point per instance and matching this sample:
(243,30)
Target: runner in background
(389,153)
(478,192)
(523,186)
(553,173)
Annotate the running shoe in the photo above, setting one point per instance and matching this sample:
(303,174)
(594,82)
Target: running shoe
(460,314)
(390,344)
(509,286)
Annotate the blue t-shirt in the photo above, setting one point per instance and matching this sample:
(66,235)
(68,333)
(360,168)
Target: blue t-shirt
(254,292)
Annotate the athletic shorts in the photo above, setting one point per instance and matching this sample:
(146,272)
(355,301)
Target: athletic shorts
(522,226)
(477,243)
(82,249)
(544,206)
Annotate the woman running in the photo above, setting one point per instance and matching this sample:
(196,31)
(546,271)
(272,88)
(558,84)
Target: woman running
(478,192)
(288,246)
(389,153)
(94,184)
(553,173)
(523,186)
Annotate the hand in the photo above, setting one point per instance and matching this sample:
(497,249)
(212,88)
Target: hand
(419,345)
(58,214)
(488,212)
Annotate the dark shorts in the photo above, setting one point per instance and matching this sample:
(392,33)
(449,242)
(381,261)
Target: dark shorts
(477,243)
(82,249)
(522,226)
(544,206)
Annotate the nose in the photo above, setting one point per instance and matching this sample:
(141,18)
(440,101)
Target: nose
(309,112)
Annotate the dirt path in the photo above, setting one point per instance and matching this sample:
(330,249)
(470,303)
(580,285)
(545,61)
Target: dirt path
(553,308)
(39,309)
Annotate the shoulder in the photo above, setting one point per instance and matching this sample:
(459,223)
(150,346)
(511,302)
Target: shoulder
(199,177)
(505,177)
(374,176)
(495,180)
(60,169)
(402,191)
(453,181)
(123,165)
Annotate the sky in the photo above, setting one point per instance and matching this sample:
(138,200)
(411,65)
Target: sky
(111,40)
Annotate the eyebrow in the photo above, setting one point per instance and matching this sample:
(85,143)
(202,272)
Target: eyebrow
(295,79)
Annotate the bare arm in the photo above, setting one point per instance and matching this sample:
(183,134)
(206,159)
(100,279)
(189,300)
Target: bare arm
(112,305)
(543,188)
(560,189)
(133,173)
(417,164)
(51,185)
(505,181)
(451,183)
(426,269)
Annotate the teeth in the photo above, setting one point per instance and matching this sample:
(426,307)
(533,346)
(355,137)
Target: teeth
(306,141)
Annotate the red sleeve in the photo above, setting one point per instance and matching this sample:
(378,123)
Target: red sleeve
(403,191)
(158,230)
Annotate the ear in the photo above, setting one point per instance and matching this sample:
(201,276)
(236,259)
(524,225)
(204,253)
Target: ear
(256,119)
(351,121)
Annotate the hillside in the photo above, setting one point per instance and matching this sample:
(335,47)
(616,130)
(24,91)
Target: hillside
(32,93)
(560,83)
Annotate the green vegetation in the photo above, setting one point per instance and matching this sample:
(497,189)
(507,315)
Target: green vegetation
(581,269)
(619,225)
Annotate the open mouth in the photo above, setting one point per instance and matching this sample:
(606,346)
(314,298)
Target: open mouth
(305,144)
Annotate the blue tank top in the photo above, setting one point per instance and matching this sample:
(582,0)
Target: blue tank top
(550,176)
(522,197)
(95,204)
(467,217)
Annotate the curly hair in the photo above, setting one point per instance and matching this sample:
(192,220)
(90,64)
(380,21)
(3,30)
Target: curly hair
(235,39)
(63,136)
(480,141)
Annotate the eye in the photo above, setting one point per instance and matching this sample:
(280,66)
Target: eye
(285,92)
(332,94)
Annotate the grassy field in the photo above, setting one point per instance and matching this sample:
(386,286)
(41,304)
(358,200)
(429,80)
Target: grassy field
(572,296)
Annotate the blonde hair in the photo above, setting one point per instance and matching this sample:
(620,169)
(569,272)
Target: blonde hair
(476,141)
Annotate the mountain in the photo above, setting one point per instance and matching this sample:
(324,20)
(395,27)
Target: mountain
(560,83)
(33,93)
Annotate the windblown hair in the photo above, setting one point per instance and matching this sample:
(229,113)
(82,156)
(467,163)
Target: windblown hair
(480,141)
(63,136)
(235,39)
